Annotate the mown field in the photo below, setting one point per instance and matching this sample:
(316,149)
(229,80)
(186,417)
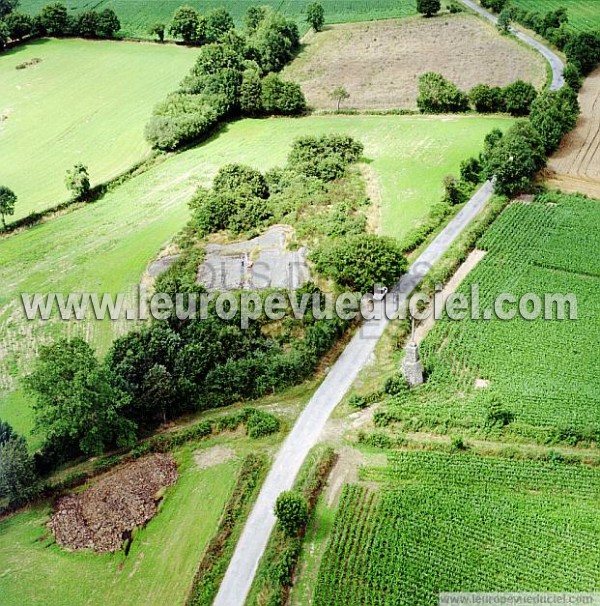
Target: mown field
(106,246)
(584,15)
(159,568)
(461,523)
(137,15)
(379,63)
(73,107)
(542,374)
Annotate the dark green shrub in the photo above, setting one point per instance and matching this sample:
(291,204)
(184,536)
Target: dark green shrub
(291,510)
(438,95)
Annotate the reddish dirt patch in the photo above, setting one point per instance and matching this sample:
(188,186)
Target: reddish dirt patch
(103,516)
(575,167)
(379,62)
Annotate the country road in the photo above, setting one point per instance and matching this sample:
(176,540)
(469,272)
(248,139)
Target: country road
(553,59)
(305,433)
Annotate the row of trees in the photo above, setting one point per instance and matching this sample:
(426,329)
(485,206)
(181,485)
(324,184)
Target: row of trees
(517,156)
(54,20)
(232,76)
(438,95)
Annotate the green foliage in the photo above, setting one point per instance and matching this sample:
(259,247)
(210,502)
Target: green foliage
(553,115)
(428,7)
(19,25)
(6,432)
(75,401)
(504,20)
(380,261)
(572,76)
(357,401)
(396,385)
(437,95)
(254,17)
(240,178)
(280,96)
(518,97)
(496,5)
(260,424)
(18,477)
(55,19)
(470,170)
(291,510)
(7,7)
(455,192)
(87,24)
(4,34)
(8,199)
(218,23)
(108,23)
(78,181)
(315,16)
(158,30)
(487,99)
(251,94)
(515,159)
(339,94)
(185,24)
(583,51)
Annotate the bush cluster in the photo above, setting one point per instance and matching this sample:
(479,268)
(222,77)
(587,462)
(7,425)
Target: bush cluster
(515,99)
(233,75)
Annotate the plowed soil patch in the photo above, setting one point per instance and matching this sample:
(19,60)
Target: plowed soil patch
(576,165)
(103,516)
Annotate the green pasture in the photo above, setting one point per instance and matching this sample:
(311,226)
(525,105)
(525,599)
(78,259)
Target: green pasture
(158,570)
(137,15)
(86,101)
(454,523)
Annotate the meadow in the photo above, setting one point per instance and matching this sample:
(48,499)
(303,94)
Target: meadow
(72,107)
(584,15)
(137,15)
(158,569)
(441,522)
(107,245)
(542,374)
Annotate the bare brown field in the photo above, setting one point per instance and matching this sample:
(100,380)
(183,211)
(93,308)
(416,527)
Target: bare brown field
(575,167)
(379,62)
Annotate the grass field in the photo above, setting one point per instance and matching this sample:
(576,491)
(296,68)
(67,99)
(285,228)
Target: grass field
(379,63)
(461,523)
(584,15)
(544,373)
(106,246)
(73,107)
(158,570)
(137,15)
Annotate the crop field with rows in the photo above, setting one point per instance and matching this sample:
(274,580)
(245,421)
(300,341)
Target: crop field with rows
(543,247)
(461,523)
(137,16)
(583,14)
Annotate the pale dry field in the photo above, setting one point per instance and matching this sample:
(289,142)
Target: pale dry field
(575,167)
(379,62)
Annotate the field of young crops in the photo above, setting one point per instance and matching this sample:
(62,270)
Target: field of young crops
(543,373)
(137,15)
(583,14)
(462,523)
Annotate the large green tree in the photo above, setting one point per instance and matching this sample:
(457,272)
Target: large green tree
(291,510)
(315,16)
(360,262)
(8,199)
(19,25)
(218,23)
(4,35)
(7,7)
(428,7)
(78,181)
(185,24)
(108,23)
(55,19)
(75,400)
(553,114)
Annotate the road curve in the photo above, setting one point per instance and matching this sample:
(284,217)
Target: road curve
(553,59)
(307,429)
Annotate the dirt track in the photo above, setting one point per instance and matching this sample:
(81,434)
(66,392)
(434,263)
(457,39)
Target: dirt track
(576,165)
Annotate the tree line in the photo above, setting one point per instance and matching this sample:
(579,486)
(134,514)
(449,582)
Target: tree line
(234,74)
(54,20)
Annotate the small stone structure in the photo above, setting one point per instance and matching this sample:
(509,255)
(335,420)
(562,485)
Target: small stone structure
(412,368)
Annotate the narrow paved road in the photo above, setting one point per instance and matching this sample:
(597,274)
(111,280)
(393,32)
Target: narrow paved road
(556,63)
(308,427)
